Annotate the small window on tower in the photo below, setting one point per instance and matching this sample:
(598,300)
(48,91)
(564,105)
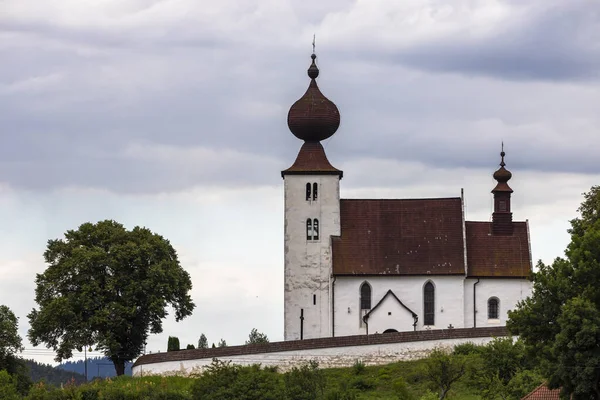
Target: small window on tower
(314,299)
(309,229)
(502,205)
(315,229)
(307,191)
(315,191)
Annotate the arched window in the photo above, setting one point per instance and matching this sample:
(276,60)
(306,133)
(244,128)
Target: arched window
(315,190)
(429,303)
(365,296)
(315,229)
(308,191)
(309,229)
(493,306)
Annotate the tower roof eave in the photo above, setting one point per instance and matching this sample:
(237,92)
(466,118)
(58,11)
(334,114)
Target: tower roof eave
(311,160)
(502,187)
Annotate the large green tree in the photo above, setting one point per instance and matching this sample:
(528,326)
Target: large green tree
(107,287)
(10,341)
(560,322)
(10,346)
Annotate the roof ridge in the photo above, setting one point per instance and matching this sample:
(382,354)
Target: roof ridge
(406,199)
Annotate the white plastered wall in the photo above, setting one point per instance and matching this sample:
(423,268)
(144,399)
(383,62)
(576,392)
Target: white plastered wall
(508,291)
(449,302)
(330,357)
(308,263)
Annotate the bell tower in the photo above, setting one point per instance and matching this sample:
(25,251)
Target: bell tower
(312,216)
(502,216)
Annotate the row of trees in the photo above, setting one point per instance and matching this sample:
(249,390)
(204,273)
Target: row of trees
(254,337)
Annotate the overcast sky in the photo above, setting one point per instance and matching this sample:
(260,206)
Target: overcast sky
(171,114)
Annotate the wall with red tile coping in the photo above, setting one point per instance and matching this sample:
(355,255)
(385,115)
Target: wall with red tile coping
(322,343)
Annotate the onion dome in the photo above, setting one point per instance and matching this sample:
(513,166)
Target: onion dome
(502,175)
(313,117)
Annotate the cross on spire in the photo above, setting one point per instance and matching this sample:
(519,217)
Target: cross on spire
(313,43)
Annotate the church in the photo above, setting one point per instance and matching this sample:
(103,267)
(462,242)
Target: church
(372,266)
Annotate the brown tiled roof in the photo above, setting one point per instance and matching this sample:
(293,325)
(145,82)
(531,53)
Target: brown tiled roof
(400,237)
(311,160)
(497,255)
(543,393)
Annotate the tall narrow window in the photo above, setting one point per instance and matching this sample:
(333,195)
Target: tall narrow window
(493,308)
(315,191)
(365,296)
(309,229)
(429,303)
(315,229)
(308,191)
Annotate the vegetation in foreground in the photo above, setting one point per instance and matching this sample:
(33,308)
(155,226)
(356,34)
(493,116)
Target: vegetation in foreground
(498,370)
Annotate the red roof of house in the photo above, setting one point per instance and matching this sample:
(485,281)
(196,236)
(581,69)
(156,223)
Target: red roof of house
(497,255)
(312,160)
(400,237)
(543,393)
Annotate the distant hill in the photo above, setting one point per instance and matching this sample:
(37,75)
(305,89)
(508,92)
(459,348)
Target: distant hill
(97,367)
(51,375)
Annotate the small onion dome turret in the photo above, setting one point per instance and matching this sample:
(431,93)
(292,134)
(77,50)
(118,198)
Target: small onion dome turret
(313,117)
(502,175)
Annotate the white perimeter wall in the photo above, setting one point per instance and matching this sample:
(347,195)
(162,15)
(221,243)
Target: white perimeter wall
(508,291)
(327,358)
(449,303)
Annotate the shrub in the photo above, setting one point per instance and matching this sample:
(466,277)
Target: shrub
(173,343)
(8,389)
(362,383)
(224,381)
(358,367)
(466,349)
(304,383)
(401,389)
(190,347)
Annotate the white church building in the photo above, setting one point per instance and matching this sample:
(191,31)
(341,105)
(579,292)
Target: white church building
(365,266)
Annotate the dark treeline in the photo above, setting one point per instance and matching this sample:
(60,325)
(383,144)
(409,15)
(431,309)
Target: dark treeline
(97,367)
(51,375)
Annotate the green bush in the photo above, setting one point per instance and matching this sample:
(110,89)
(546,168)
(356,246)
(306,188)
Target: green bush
(224,381)
(466,349)
(8,389)
(358,367)
(361,383)
(173,344)
(401,389)
(304,383)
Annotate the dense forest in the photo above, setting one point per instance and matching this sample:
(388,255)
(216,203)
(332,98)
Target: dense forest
(51,375)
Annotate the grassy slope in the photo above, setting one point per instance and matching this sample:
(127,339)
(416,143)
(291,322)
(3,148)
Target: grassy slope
(375,382)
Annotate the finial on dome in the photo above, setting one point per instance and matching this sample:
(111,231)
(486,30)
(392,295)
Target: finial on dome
(502,175)
(313,71)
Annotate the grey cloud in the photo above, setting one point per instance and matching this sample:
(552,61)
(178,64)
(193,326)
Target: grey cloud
(75,130)
(555,42)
